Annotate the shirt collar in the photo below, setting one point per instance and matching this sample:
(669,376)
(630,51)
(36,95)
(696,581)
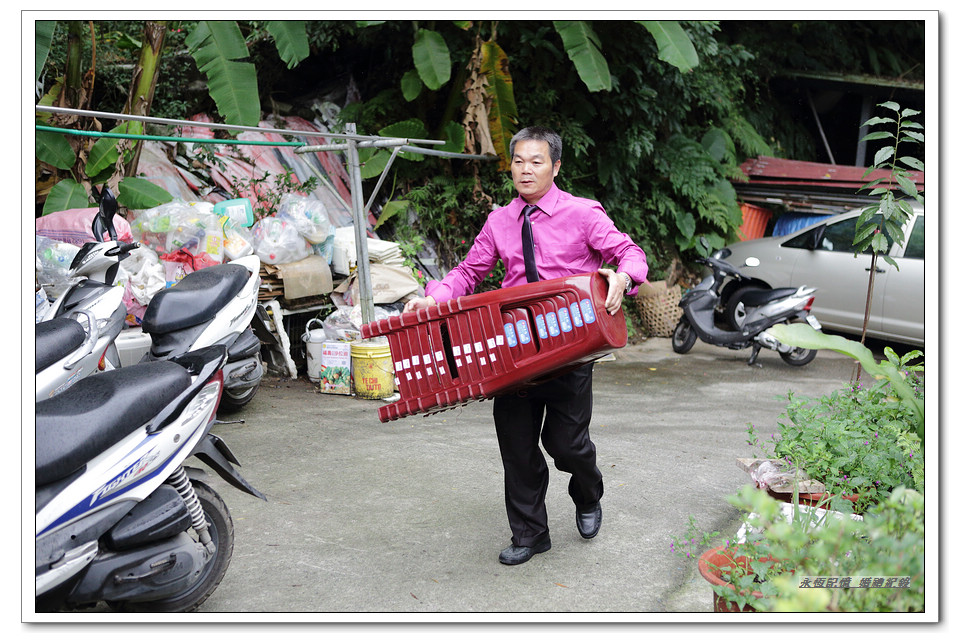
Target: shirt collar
(547,203)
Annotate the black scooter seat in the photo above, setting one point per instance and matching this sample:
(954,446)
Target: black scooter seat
(99,411)
(56,339)
(195,299)
(760,297)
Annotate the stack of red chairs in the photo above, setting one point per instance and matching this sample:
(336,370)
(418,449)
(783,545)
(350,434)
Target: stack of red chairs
(480,346)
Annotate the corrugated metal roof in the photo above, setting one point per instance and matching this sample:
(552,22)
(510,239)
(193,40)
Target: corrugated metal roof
(804,186)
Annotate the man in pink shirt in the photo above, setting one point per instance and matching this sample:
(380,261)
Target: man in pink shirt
(570,236)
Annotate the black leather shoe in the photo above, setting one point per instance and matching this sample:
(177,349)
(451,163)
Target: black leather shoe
(588,522)
(514,555)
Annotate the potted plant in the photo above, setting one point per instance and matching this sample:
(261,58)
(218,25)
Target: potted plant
(789,557)
(741,570)
(861,442)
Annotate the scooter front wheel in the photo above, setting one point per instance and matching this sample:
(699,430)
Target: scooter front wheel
(220,525)
(684,337)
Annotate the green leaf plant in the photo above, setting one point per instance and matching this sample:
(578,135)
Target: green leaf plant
(880,225)
(790,558)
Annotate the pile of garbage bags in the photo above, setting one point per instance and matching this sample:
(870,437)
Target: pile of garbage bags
(180,237)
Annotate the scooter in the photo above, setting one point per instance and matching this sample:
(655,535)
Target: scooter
(746,312)
(68,349)
(119,517)
(77,332)
(214,305)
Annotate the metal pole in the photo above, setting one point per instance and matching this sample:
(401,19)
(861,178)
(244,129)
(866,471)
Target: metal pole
(359,228)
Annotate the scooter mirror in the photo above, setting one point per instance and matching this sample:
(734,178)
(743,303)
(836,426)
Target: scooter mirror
(103,220)
(751,262)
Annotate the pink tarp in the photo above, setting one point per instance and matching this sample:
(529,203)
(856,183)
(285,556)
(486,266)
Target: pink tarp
(247,169)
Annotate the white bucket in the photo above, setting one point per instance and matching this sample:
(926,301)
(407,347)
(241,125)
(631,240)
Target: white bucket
(313,338)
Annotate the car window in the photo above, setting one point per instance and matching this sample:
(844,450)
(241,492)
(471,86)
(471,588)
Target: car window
(838,237)
(914,248)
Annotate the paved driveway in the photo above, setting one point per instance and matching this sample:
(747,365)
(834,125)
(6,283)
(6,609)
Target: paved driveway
(406,518)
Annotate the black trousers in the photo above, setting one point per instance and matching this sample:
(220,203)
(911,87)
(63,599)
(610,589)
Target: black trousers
(558,413)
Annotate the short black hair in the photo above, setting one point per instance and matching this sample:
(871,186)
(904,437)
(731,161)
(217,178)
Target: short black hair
(539,134)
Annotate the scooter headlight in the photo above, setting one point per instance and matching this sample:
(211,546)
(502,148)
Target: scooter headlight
(722,253)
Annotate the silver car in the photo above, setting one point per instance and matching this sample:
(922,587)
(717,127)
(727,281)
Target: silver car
(822,256)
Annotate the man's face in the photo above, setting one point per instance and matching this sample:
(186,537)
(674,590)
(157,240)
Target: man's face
(532,171)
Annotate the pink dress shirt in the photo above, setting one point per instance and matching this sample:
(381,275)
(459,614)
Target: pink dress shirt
(571,235)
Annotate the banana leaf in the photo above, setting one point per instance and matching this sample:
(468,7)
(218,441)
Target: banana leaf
(217,46)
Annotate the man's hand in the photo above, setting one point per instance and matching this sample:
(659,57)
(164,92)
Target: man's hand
(617,287)
(419,302)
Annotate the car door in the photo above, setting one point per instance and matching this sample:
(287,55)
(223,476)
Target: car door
(840,277)
(903,293)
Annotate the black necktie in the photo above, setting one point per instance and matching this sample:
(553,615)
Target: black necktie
(529,262)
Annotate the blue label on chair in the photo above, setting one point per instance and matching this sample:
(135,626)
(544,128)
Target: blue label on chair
(552,326)
(511,334)
(541,327)
(523,332)
(587,307)
(565,324)
(575,313)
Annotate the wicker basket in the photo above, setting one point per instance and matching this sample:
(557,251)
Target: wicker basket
(660,311)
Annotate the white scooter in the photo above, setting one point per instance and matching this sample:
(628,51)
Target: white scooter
(215,305)
(76,334)
(119,517)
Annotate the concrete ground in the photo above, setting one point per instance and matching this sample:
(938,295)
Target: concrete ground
(404,520)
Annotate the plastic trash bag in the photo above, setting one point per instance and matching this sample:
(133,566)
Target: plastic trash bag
(308,215)
(237,242)
(75,226)
(53,264)
(179,225)
(276,241)
(143,273)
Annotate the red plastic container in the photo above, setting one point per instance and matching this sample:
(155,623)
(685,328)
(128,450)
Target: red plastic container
(480,346)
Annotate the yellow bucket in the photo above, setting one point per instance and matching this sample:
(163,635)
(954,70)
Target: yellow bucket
(372,369)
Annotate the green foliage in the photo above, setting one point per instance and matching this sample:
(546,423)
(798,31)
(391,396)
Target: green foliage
(106,151)
(218,48)
(888,543)
(431,58)
(66,195)
(673,44)
(290,37)
(781,546)
(503,122)
(44,39)
(583,46)
(141,194)
(892,370)
(54,149)
(880,225)
(858,440)
(268,190)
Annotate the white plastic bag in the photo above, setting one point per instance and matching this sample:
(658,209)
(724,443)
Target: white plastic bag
(309,216)
(144,272)
(277,241)
(237,242)
(53,264)
(175,225)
